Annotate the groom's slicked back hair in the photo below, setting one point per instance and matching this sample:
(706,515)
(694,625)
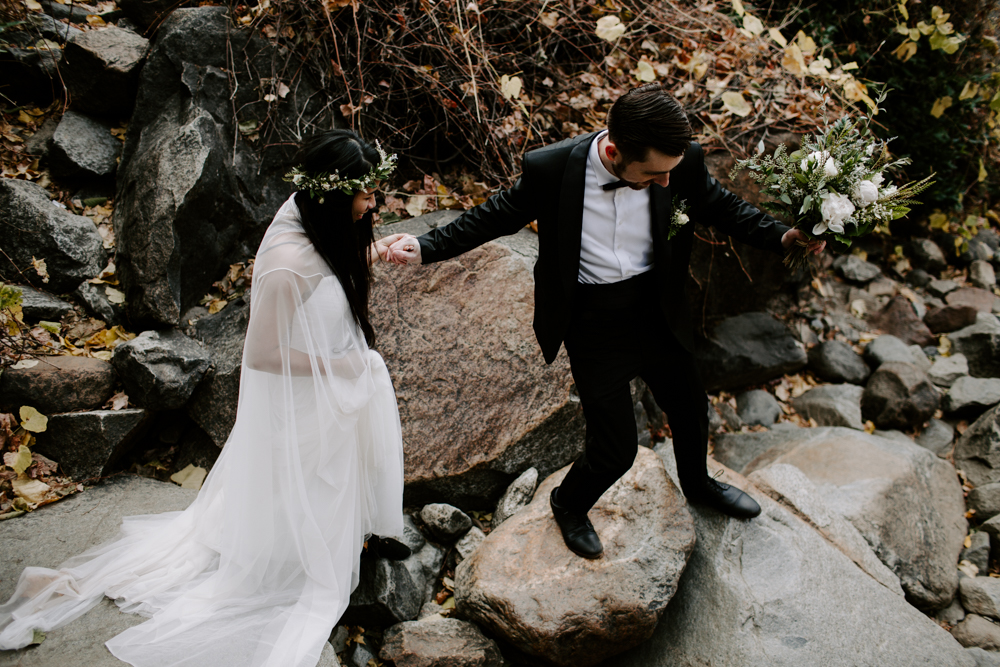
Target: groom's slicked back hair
(648,117)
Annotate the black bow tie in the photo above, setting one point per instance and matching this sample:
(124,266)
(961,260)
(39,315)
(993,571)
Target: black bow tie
(615,185)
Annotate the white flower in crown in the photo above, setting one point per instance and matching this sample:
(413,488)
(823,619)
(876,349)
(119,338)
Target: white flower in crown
(324,182)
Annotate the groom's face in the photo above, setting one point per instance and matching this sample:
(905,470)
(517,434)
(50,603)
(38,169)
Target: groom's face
(655,168)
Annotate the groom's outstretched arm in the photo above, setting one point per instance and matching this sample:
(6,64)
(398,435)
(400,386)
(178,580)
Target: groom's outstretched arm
(502,214)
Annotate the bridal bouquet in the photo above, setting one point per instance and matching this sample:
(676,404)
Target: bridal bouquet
(833,188)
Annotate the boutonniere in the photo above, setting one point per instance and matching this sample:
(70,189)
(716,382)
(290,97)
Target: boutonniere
(679,218)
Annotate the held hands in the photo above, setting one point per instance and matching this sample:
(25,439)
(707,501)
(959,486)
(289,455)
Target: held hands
(789,238)
(382,245)
(404,250)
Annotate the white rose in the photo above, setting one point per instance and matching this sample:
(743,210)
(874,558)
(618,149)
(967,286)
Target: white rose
(865,193)
(682,219)
(815,158)
(830,168)
(835,209)
(877,179)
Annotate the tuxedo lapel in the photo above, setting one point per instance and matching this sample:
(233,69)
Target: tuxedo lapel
(571,213)
(661,209)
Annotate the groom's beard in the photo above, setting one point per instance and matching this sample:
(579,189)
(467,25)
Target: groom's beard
(617,169)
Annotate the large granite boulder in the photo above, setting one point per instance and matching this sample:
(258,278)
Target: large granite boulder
(161,369)
(477,402)
(773,591)
(34,227)
(213,404)
(748,349)
(905,501)
(980,343)
(194,196)
(525,586)
(58,384)
(88,444)
(101,70)
(899,396)
(977,451)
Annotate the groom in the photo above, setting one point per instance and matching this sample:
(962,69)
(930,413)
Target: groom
(613,254)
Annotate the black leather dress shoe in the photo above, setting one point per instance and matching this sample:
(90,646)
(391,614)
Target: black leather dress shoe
(577,531)
(727,499)
(386,547)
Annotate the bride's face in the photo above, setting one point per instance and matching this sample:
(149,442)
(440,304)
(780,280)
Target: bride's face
(364,201)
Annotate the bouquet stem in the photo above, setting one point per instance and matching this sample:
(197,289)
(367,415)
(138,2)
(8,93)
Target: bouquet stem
(798,255)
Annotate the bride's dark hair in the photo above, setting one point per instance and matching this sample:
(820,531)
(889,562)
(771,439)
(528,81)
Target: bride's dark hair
(340,240)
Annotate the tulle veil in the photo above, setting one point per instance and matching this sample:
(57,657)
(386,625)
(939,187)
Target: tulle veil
(260,567)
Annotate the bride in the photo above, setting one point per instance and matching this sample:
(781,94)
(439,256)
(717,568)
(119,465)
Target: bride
(259,569)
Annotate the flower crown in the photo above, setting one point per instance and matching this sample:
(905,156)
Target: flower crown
(324,182)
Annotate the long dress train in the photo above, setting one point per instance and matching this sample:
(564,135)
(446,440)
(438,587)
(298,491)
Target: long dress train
(258,570)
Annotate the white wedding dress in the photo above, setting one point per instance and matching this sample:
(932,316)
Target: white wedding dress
(259,569)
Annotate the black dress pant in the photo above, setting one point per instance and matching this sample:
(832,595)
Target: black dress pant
(619,333)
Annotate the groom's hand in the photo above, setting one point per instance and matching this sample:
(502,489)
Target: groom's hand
(381,247)
(406,250)
(793,235)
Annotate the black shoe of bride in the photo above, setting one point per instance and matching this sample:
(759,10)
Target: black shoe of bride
(386,547)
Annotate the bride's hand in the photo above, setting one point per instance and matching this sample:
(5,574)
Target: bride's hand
(381,247)
(405,250)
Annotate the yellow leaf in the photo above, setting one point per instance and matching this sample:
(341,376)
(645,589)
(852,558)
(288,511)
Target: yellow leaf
(806,43)
(18,461)
(40,269)
(738,8)
(793,60)
(905,51)
(969,90)
(96,21)
(114,296)
(25,363)
(416,204)
(945,28)
(869,427)
(982,171)
(31,490)
(902,10)
(925,28)
(753,24)
(190,477)
(856,91)
(941,104)
(937,12)
(103,354)
(33,5)
(609,28)
(777,36)
(644,72)
(902,29)
(968,542)
(215,305)
(735,103)
(938,220)
(914,34)
(510,87)
(449,603)
(33,420)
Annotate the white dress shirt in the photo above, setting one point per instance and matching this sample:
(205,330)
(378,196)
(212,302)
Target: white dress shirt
(617,239)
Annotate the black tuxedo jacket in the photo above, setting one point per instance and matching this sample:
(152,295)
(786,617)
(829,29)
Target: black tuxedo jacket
(550,190)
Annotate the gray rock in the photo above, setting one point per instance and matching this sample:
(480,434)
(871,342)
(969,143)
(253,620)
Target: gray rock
(977,631)
(160,369)
(469,542)
(837,362)
(920,358)
(48,27)
(517,495)
(832,405)
(941,288)
(985,500)
(981,595)
(715,420)
(38,143)
(430,609)
(937,437)
(35,227)
(412,537)
(951,614)
(900,396)
(37,305)
(906,502)
(805,334)
(893,435)
(58,384)
(970,397)
(887,348)
(95,300)
(981,274)
(388,592)
(977,451)
(980,343)
(83,148)
(431,559)
(445,522)
(729,416)
(758,407)
(796,492)
(945,370)
(978,551)
(856,269)
(88,444)
(927,255)
(361,655)
(338,638)
(101,70)
(947,318)
(903,319)
(213,404)
(753,588)
(52,534)
(983,658)
(446,641)
(525,586)
(918,278)
(748,349)
(882,287)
